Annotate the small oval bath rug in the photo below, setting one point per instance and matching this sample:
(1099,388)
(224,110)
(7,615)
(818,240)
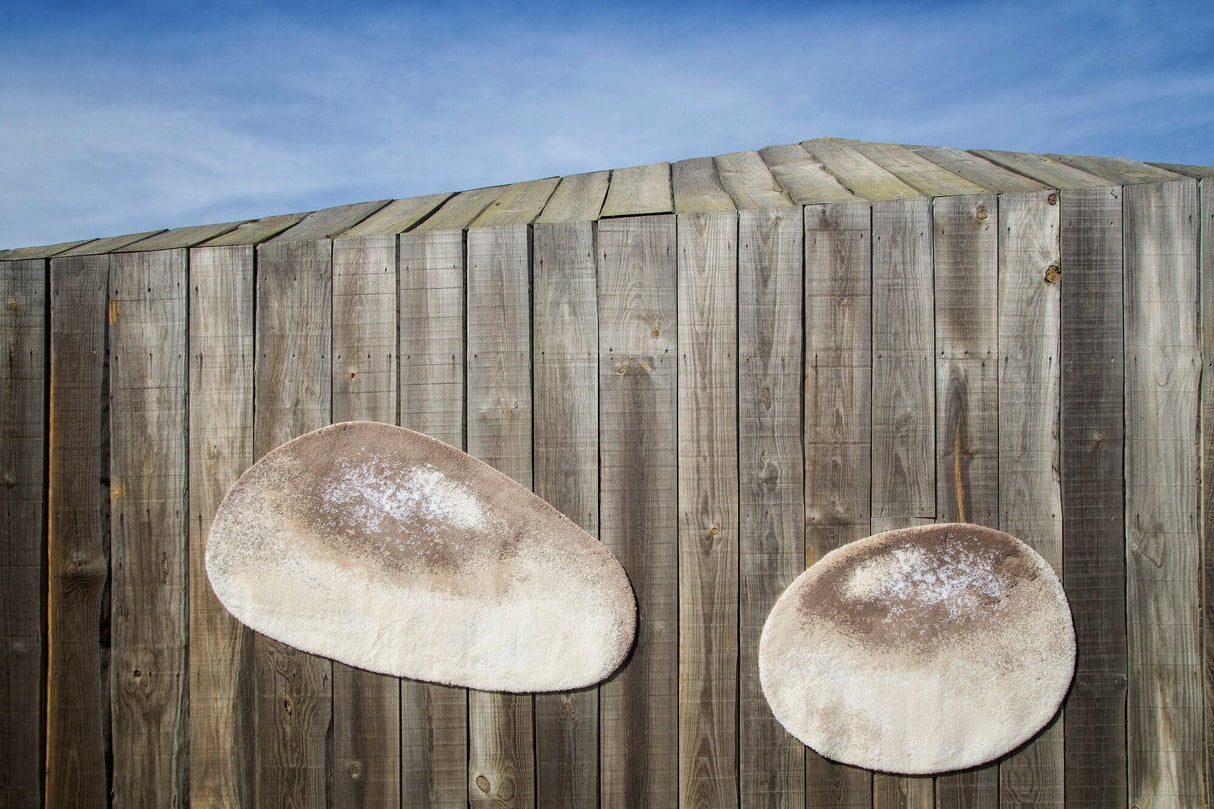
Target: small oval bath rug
(919,651)
(385,549)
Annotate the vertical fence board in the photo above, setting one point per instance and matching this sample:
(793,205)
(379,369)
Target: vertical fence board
(708,509)
(965,256)
(366,706)
(434,718)
(1205,206)
(638,503)
(838,424)
(501,755)
(1162,550)
(294,700)
(1093,495)
(771,514)
(1030,498)
(221,448)
(77,735)
(903,402)
(148,522)
(566,460)
(23,513)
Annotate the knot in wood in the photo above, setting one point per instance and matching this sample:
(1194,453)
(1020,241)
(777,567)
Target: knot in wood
(482,783)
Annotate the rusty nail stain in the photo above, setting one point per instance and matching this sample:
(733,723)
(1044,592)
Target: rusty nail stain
(657,333)
(1052,274)
(1053,199)
(482,783)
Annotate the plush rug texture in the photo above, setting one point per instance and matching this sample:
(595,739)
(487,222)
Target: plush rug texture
(387,550)
(920,651)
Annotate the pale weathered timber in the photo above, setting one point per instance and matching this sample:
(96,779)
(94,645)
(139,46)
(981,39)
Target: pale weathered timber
(802,177)
(501,748)
(519,204)
(697,188)
(1030,499)
(903,401)
(1205,207)
(929,178)
(41,251)
(565,447)
(1093,494)
(255,232)
(98,247)
(990,176)
(221,448)
(434,718)
(328,222)
(639,190)
(1117,170)
(23,325)
(366,706)
(179,237)
(838,423)
(77,682)
(856,172)
(638,503)
(750,182)
(1042,169)
(1196,172)
(578,198)
(1162,539)
(293,379)
(965,258)
(460,210)
(398,216)
(708,509)
(771,515)
(148,526)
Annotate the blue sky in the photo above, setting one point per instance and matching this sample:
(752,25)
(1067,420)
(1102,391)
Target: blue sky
(121,117)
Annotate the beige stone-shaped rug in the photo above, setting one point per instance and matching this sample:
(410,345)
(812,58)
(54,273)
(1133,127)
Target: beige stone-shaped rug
(385,549)
(919,651)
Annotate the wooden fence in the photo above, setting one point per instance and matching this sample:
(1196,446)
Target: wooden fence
(721,395)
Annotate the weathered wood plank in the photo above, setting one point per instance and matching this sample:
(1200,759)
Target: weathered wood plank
(838,423)
(97,247)
(639,190)
(929,178)
(978,170)
(965,249)
(221,448)
(1041,168)
(461,209)
(41,251)
(771,514)
(1093,495)
(1205,206)
(903,403)
(565,334)
(1030,498)
(255,232)
(179,237)
(293,370)
(578,198)
(1196,172)
(23,517)
(434,718)
(802,177)
(519,204)
(366,706)
(857,173)
(1117,170)
(77,723)
(148,541)
(708,509)
(397,216)
(638,503)
(750,182)
(501,752)
(697,189)
(328,222)
(1162,539)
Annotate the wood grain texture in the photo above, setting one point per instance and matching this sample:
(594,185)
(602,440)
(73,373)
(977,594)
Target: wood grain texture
(578,198)
(856,172)
(1030,498)
(750,182)
(837,423)
(98,247)
(639,190)
(1162,539)
(501,748)
(434,718)
(255,232)
(460,210)
(697,188)
(1048,172)
(178,237)
(519,204)
(220,449)
(149,525)
(638,503)
(1205,207)
(708,509)
(398,216)
(293,378)
(965,258)
(328,222)
(929,178)
(981,171)
(771,514)
(1093,494)
(565,444)
(366,706)
(802,177)
(1117,170)
(40,251)
(903,402)
(23,379)
(77,723)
